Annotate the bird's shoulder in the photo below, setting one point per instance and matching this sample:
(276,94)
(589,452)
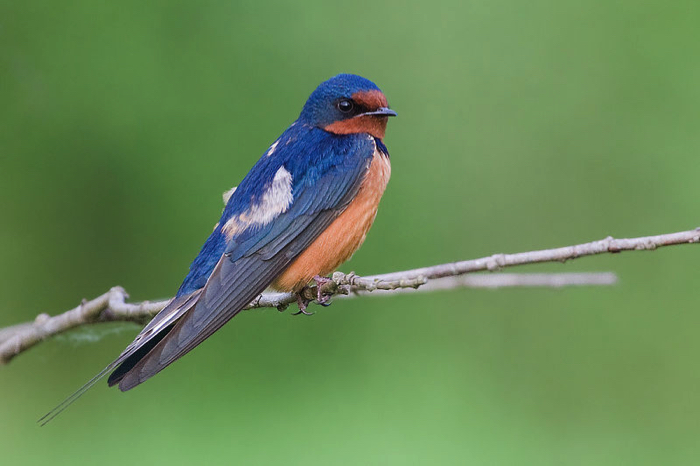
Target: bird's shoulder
(306,153)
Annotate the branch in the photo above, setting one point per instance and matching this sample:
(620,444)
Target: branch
(112,306)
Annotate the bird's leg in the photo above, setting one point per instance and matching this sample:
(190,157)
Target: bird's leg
(322,298)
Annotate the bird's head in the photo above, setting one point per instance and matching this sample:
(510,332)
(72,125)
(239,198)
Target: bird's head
(348,104)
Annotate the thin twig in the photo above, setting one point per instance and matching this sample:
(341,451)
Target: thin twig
(508,280)
(112,306)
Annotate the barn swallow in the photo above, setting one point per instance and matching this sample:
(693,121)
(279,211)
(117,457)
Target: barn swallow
(302,210)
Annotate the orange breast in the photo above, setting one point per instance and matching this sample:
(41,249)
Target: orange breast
(342,238)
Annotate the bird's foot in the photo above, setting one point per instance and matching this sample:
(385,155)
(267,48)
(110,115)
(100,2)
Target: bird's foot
(303,303)
(321,298)
(305,296)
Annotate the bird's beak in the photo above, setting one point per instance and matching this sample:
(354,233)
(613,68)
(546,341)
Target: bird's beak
(382,111)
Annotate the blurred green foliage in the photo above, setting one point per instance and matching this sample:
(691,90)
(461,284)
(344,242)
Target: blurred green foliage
(521,125)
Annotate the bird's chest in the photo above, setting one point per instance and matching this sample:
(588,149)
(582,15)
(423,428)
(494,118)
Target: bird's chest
(358,217)
(345,235)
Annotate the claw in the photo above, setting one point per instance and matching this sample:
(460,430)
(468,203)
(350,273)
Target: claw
(321,298)
(303,303)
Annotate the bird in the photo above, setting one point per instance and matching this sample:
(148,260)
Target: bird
(302,210)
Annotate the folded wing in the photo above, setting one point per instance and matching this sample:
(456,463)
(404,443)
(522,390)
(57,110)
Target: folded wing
(250,264)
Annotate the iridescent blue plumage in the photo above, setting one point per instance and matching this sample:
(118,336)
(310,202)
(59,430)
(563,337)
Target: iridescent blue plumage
(308,153)
(304,149)
(312,195)
(317,113)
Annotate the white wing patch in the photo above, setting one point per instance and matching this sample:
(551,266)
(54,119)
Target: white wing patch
(227,194)
(275,200)
(272,148)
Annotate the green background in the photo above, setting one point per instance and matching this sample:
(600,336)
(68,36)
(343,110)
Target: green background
(522,125)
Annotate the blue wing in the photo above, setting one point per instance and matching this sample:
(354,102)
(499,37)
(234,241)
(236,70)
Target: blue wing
(326,171)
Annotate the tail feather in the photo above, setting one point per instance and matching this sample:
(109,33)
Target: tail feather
(77,394)
(144,342)
(133,359)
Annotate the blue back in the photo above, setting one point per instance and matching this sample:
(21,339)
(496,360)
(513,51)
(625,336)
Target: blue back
(307,153)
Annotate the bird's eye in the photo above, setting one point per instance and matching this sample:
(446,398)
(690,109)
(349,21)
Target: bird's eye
(345,105)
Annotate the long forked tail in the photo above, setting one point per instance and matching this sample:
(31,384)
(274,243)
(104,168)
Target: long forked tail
(156,329)
(68,401)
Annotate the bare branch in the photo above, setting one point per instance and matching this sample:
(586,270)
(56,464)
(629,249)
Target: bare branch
(499,261)
(112,306)
(508,280)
